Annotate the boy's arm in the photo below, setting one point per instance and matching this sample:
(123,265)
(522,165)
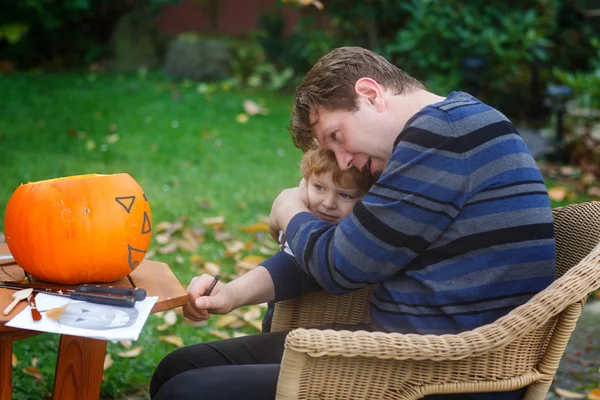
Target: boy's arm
(288,278)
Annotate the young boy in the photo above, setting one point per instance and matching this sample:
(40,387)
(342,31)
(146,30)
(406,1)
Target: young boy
(331,194)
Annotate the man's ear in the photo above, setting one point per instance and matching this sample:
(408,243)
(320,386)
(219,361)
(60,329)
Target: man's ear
(368,90)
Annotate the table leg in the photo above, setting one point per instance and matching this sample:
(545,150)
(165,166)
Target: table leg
(5,367)
(79,368)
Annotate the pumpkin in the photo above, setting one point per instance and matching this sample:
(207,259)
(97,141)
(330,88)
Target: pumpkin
(79,229)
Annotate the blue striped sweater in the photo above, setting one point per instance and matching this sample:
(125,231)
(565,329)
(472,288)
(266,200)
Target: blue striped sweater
(456,232)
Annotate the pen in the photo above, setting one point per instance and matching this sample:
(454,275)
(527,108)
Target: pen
(212,286)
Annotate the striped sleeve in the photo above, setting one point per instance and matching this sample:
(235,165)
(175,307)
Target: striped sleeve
(416,198)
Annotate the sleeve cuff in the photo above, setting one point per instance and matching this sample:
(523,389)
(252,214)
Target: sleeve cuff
(289,280)
(296,221)
(283,272)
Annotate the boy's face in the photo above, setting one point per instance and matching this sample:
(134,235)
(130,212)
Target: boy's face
(329,201)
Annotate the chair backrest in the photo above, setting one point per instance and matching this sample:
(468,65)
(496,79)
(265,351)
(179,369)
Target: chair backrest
(577,231)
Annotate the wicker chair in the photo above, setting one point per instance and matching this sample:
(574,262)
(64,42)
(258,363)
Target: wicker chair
(520,349)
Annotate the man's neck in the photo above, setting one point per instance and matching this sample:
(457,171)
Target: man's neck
(405,106)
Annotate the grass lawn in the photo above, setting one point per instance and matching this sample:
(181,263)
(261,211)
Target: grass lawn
(181,143)
(185,147)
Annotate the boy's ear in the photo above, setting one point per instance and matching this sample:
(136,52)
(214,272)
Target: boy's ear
(369,91)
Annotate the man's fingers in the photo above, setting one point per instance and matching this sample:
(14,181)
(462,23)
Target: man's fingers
(195,315)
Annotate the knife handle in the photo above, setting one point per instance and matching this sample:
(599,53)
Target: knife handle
(138,294)
(100,299)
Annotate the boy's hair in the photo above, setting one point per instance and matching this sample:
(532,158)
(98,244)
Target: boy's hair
(317,161)
(330,84)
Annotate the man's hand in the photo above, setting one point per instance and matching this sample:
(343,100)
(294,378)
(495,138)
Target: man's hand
(199,307)
(289,203)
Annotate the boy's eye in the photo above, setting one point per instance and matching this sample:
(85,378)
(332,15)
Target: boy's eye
(346,196)
(318,187)
(333,136)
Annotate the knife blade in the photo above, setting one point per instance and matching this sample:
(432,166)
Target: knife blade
(107,298)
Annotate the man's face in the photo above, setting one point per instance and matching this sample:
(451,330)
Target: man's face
(329,201)
(354,137)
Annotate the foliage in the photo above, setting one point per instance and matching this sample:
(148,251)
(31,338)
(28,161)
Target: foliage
(250,65)
(582,123)
(519,42)
(41,32)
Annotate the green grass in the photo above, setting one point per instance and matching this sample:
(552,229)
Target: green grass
(185,148)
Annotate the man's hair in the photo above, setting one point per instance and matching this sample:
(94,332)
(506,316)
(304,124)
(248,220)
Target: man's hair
(317,161)
(330,85)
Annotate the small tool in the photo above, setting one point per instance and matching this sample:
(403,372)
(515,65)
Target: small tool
(212,286)
(17,296)
(110,295)
(35,314)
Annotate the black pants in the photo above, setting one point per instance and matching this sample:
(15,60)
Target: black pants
(240,368)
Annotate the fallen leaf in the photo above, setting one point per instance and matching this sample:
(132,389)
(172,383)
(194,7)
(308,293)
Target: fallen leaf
(319,6)
(171,317)
(168,249)
(108,361)
(252,108)
(594,394)
(162,238)
(252,314)
(212,268)
(567,394)
(112,139)
(15,360)
(196,259)
(33,371)
(186,245)
(175,340)
(179,260)
(567,170)
(557,193)
(125,343)
(226,320)
(239,334)
(242,118)
(214,220)
(136,351)
(594,191)
(221,236)
(258,227)
(34,361)
(234,246)
(219,334)
(55,313)
(162,327)
(162,226)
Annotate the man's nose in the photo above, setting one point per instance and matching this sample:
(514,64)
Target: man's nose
(344,159)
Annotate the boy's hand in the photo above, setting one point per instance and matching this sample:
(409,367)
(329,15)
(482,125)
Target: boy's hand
(289,203)
(199,307)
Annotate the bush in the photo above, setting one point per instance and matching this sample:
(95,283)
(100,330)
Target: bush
(37,33)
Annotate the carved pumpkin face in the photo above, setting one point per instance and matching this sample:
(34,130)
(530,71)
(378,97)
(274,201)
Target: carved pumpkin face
(79,229)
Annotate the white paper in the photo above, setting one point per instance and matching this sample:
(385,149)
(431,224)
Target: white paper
(82,318)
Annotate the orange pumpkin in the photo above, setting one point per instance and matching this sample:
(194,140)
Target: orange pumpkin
(79,229)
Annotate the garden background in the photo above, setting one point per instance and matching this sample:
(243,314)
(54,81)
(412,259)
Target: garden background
(192,98)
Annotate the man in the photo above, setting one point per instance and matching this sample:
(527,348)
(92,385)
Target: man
(456,232)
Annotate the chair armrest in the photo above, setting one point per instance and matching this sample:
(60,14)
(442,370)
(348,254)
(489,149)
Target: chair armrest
(321,308)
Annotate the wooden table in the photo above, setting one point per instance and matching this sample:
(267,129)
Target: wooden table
(80,360)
